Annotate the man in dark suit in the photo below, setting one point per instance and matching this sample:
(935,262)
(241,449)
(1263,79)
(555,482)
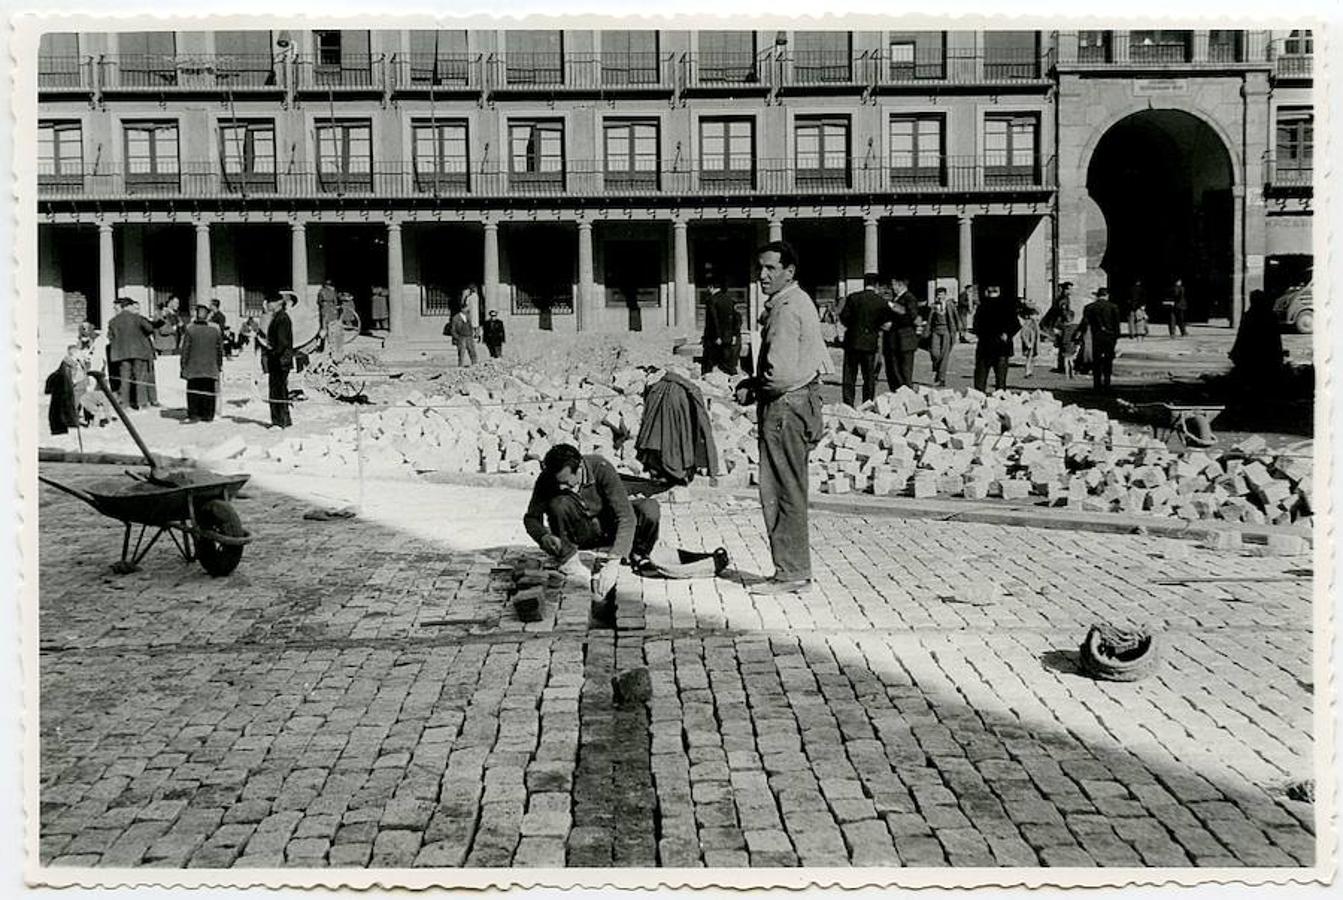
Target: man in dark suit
(901,340)
(863,315)
(996,324)
(278,345)
(202,355)
(722,331)
(130,341)
(1100,318)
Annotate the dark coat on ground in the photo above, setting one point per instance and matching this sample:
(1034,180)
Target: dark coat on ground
(863,315)
(676,436)
(202,351)
(63,414)
(130,336)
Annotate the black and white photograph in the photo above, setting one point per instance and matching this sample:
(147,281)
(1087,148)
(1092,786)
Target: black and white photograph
(859,450)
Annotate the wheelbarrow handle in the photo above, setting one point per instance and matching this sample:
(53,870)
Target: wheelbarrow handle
(72,491)
(101,379)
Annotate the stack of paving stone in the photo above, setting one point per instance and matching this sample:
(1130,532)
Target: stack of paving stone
(1018,446)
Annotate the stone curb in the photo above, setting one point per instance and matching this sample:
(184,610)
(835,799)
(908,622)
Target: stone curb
(898,507)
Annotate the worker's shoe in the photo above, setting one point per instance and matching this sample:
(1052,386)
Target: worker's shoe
(573,568)
(774,587)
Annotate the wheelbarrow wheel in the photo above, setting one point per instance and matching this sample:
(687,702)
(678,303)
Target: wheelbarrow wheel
(220,517)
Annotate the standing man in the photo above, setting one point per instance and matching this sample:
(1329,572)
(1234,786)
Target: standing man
(202,360)
(463,337)
(217,317)
(944,330)
(966,305)
(328,308)
(901,339)
(792,359)
(278,347)
(1178,304)
(863,315)
(722,330)
(494,334)
(1100,318)
(996,324)
(131,352)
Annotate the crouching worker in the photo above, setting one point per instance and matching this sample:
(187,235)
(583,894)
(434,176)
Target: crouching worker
(580,503)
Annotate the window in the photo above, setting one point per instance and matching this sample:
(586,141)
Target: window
(439,57)
(630,57)
(534,57)
(822,57)
(1299,43)
(633,275)
(1297,49)
(342,59)
(727,151)
(1225,46)
(146,59)
(916,144)
(727,57)
(1010,150)
(1295,146)
(345,155)
(823,152)
(1160,46)
(248,155)
(442,157)
(151,156)
(60,155)
(58,64)
(1094,47)
(917,55)
(1011,55)
(631,153)
(244,59)
(536,149)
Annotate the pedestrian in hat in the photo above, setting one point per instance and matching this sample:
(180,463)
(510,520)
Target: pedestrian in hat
(996,324)
(202,361)
(1100,320)
(131,352)
(278,359)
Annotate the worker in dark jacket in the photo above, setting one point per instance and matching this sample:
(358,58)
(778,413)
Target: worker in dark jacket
(722,331)
(580,503)
(131,352)
(864,314)
(1100,319)
(492,333)
(996,324)
(675,435)
(900,341)
(202,354)
(278,347)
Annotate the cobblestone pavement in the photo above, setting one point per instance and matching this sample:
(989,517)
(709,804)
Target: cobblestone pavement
(360,694)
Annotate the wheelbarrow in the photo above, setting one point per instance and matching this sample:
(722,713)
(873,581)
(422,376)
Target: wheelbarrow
(1190,423)
(194,509)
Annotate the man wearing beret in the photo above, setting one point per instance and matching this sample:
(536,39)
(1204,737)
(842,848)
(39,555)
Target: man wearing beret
(130,338)
(202,355)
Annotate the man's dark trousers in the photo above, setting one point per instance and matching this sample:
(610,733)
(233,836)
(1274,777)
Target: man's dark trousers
(790,426)
(201,398)
(278,378)
(898,352)
(135,387)
(1102,363)
(578,529)
(986,359)
(856,361)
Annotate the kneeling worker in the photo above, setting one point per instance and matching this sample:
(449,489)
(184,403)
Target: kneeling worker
(580,503)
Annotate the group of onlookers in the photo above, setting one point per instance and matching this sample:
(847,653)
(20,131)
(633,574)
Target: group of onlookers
(464,334)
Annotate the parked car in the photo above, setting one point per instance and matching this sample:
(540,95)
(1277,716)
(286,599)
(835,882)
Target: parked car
(1295,307)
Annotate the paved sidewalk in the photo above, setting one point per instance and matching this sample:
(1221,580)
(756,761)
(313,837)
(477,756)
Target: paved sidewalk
(358,693)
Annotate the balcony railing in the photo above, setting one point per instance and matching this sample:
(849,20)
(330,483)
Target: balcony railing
(352,72)
(64,73)
(195,72)
(581,71)
(964,66)
(1290,174)
(940,175)
(1118,49)
(1290,61)
(443,72)
(725,70)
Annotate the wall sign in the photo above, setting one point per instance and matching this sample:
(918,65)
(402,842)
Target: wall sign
(1157,87)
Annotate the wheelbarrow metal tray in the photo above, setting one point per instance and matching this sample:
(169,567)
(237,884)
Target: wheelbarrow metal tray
(146,503)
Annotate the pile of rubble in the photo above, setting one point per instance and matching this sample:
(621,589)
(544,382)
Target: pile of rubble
(923,443)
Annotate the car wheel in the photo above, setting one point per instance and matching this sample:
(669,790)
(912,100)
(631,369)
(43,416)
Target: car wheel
(1305,321)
